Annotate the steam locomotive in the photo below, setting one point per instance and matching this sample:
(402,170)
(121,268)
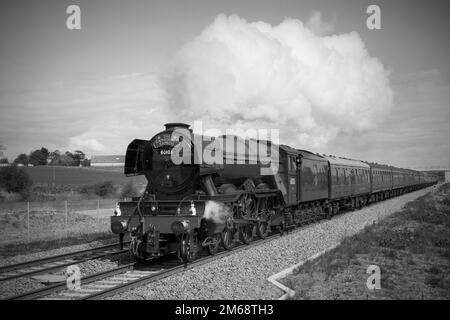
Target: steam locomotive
(191,205)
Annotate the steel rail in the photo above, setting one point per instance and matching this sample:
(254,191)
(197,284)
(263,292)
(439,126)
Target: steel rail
(37,266)
(176,269)
(60,286)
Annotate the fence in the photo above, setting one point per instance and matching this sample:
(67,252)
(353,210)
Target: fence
(25,222)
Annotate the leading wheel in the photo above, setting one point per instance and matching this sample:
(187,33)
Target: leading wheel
(188,247)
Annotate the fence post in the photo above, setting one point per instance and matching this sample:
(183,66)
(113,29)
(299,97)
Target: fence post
(65,216)
(98,210)
(54,177)
(28,221)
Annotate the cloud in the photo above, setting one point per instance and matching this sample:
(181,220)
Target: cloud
(317,25)
(252,74)
(415,135)
(97,115)
(88,144)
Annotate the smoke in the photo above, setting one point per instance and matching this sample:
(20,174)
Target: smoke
(317,25)
(311,87)
(216,215)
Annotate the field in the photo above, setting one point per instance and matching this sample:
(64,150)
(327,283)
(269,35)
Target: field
(77,176)
(411,248)
(57,213)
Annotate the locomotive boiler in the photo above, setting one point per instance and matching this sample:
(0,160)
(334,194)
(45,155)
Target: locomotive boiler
(195,204)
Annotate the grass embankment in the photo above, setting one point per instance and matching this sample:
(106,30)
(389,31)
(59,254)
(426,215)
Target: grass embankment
(411,247)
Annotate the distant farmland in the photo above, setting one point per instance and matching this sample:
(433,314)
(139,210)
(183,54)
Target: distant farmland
(80,175)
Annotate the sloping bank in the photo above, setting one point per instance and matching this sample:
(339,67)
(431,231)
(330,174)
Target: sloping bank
(411,249)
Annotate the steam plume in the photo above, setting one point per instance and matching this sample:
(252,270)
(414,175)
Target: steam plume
(216,215)
(237,73)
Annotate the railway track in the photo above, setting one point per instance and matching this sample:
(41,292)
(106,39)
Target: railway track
(132,275)
(123,278)
(128,276)
(52,263)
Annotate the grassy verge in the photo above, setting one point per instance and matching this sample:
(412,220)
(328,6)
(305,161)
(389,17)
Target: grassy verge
(48,230)
(411,248)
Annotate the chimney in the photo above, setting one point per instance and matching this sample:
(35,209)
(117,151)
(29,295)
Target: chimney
(173,125)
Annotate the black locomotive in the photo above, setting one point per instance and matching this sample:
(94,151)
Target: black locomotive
(194,205)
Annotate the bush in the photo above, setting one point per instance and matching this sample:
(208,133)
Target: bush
(101,189)
(15,180)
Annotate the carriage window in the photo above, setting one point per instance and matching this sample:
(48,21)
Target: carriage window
(322,175)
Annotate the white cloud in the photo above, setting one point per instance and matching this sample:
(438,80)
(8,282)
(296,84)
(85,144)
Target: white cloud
(97,115)
(85,143)
(415,135)
(317,25)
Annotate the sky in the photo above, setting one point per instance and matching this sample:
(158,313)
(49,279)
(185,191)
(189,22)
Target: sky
(135,65)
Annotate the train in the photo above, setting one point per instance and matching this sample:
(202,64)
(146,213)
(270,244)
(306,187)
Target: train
(193,206)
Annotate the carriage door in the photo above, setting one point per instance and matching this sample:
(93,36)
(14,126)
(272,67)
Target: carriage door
(352,181)
(292,179)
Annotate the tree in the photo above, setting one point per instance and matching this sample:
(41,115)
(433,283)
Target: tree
(3,161)
(70,155)
(17,180)
(2,148)
(22,159)
(42,157)
(78,156)
(53,156)
(39,157)
(46,154)
(62,160)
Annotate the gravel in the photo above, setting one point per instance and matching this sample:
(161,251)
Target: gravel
(243,275)
(26,284)
(22,285)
